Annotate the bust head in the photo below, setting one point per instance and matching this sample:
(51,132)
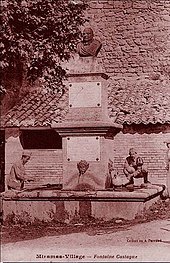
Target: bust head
(88,46)
(132,153)
(87,35)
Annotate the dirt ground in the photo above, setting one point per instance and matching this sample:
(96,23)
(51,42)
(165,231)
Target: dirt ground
(160,210)
(145,239)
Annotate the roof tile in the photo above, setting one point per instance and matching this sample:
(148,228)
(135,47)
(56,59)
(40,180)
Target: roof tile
(36,109)
(144,102)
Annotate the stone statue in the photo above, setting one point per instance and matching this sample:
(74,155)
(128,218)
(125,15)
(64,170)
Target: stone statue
(89,47)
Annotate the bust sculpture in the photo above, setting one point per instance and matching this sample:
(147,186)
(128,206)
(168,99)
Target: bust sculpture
(89,47)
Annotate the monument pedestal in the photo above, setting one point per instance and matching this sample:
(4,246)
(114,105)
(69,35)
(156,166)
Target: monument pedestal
(87,131)
(90,141)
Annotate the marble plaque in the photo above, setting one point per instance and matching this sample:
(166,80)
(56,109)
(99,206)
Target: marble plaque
(85,94)
(83,148)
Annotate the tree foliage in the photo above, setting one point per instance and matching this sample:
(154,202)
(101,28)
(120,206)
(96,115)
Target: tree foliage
(39,34)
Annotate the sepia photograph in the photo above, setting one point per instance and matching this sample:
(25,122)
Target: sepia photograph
(85,131)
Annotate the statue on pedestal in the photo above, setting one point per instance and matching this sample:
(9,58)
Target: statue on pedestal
(89,47)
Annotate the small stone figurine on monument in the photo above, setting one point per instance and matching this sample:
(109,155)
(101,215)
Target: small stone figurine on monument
(89,47)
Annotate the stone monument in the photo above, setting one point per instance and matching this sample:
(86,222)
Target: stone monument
(87,131)
(88,155)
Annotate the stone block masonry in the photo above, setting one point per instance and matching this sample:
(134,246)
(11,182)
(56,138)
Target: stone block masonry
(132,33)
(135,53)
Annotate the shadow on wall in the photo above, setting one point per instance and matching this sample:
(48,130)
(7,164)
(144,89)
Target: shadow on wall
(148,129)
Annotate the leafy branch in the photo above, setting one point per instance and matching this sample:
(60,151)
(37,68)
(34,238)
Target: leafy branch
(39,34)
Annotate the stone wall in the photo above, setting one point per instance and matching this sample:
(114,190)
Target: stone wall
(136,48)
(135,54)
(135,35)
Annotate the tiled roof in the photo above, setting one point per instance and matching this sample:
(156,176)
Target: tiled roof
(133,102)
(142,102)
(37,109)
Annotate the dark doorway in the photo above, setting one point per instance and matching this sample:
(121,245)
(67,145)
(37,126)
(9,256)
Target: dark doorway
(2,161)
(40,139)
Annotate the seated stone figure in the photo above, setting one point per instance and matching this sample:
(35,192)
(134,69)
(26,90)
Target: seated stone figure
(133,167)
(89,46)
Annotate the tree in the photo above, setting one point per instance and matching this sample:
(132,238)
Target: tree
(39,35)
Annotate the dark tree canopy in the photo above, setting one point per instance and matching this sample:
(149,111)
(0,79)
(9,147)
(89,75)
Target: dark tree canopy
(39,34)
